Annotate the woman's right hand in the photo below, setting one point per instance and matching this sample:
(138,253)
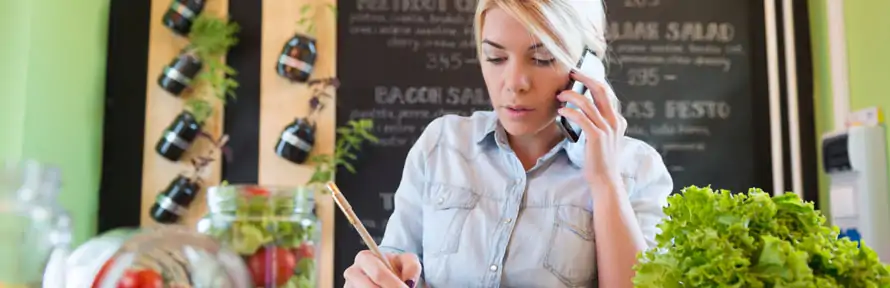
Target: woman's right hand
(369,271)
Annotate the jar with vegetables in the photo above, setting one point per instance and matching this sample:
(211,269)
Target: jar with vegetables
(274,229)
(162,257)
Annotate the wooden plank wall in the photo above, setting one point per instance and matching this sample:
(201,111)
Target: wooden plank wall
(161,108)
(280,102)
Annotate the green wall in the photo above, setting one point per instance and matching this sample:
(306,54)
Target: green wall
(15,28)
(868,48)
(868,41)
(868,45)
(53,70)
(821,89)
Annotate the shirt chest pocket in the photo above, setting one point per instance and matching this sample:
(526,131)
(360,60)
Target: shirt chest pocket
(446,212)
(571,255)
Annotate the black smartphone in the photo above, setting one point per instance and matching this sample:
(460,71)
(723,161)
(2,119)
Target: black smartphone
(571,130)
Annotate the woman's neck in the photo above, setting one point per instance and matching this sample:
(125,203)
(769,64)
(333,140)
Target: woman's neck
(530,148)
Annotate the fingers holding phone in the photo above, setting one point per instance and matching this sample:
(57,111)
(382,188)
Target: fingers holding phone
(604,126)
(599,111)
(369,271)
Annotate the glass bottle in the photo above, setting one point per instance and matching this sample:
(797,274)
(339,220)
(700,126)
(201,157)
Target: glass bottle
(174,200)
(178,136)
(274,229)
(35,231)
(179,74)
(297,58)
(181,14)
(296,141)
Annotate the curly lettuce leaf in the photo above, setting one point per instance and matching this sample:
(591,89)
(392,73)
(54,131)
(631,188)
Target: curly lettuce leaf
(268,220)
(724,239)
(247,238)
(303,275)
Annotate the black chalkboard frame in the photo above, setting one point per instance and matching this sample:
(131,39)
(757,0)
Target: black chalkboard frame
(347,240)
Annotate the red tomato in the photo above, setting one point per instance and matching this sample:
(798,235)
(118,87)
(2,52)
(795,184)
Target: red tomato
(305,250)
(274,265)
(137,279)
(129,280)
(102,273)
(149,279)
(257,191)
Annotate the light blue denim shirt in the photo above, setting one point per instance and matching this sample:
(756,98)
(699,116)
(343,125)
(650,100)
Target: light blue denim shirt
(476,218)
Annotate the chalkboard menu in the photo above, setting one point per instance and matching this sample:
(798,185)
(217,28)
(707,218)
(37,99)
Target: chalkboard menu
(685,73)
(683,70)
(402,64)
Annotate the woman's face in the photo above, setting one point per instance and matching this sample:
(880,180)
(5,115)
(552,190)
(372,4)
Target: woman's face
(522,77)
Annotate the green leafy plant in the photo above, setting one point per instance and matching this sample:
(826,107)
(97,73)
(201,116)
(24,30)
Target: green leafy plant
(210,39)
(351,137)
(721,239)
(308,12)
(200,108)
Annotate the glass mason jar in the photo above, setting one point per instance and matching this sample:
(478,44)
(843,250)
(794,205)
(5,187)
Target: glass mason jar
(167,256)
(35,231)
(274,229)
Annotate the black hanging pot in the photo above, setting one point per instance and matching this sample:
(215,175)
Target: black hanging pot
(178,136)
(296,141)
(180,73)
(173,202)
(182,14)
(297,59)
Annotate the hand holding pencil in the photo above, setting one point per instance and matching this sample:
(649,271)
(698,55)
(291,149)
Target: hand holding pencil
(371,267)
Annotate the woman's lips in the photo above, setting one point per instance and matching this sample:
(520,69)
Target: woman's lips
(518,111)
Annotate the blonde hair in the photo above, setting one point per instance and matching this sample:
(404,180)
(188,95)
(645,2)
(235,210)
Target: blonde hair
(564,27)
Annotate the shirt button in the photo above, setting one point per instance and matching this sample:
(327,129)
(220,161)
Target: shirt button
(508,220)
(493,268)
(441,199)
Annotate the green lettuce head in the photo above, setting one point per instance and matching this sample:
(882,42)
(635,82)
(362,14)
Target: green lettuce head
(721,239)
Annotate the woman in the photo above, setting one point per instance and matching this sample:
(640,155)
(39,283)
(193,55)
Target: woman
(501,198)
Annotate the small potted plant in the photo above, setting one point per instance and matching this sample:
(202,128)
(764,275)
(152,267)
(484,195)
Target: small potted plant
(173,202)
(181,14)
(210,39)
(297,59)
(298,138)
(180,73)
(349,142)
(180,134)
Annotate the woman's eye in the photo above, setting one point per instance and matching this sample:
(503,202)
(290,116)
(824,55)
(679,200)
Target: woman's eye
(544,62)
(495,60)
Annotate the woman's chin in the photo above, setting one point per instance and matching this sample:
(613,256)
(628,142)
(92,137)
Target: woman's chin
(522,128)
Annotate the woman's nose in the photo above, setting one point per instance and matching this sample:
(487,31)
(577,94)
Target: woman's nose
(516,78)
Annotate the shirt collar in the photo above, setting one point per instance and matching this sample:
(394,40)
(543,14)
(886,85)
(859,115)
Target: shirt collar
(485,129)
(492,131)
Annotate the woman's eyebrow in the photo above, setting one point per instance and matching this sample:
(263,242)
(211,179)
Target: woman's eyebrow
(499,46)
(495,45)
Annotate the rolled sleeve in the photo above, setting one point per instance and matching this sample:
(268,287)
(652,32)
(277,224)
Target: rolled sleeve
(649,197)
(404,230)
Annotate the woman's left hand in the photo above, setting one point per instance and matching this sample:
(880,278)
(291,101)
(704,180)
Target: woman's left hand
(604,127)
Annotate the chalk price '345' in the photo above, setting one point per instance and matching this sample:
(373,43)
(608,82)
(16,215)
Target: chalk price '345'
(444,61)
